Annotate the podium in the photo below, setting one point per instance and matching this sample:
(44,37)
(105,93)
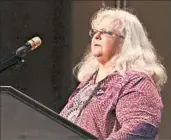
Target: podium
(23,118)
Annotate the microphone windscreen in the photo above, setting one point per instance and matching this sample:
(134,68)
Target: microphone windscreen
(35,42)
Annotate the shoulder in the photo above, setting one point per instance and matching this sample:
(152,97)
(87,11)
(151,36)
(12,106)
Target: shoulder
(138,79)
(139,84)
(130,79)
(131,75)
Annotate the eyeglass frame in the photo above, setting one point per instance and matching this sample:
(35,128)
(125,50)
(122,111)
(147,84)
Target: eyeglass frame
(104,31)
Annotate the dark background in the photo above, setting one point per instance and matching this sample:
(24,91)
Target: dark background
(63,26)
(42,76)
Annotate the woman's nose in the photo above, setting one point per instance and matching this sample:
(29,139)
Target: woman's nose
(97,35)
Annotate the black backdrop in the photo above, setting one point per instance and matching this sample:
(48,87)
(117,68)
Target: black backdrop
(44,75)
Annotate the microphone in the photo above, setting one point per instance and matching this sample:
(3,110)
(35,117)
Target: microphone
(18,55)
(28,46)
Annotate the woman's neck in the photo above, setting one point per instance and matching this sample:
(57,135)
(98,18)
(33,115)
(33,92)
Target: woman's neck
(104,70)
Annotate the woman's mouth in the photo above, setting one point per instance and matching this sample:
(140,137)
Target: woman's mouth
(97,45)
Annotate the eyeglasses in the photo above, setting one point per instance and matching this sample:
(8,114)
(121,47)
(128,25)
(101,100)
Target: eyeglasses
(92,32)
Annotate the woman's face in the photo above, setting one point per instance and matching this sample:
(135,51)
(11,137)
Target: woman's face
(105,40)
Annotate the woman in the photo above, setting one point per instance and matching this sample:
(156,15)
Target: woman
(121,79)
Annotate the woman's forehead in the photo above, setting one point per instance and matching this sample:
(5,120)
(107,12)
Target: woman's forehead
(108,23)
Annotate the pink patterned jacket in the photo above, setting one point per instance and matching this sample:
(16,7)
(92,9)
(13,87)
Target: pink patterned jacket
(119,107)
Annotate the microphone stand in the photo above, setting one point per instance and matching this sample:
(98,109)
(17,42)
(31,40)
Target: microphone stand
(13,60)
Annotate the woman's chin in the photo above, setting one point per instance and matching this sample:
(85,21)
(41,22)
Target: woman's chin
(97,54)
